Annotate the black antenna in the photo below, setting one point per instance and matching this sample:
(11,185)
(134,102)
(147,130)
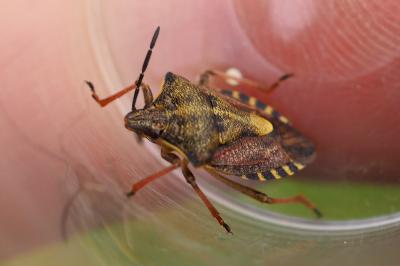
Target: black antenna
(145,64)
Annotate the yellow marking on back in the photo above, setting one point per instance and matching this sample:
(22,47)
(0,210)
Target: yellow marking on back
(268,110)
(252,101)
(298,165)
(261,125)
(275,174)
(244,177)
(287,170)
(235,94)
(260,176)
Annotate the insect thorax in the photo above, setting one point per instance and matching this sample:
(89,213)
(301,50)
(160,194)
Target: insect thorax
(200,121)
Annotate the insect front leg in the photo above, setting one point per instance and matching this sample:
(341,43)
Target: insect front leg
(103,102)
(264,198)
(138,83)
(214,212)
(148,96)
(230,75)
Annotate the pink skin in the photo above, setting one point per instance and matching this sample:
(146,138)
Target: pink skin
(345,94)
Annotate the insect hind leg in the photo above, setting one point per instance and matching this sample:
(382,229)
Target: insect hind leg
(227,77)
(264,198)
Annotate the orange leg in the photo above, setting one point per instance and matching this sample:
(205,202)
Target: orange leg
(296,199)
(136,85)
(141,183)
(205,77)
(264,198)
(148,96)
(105,101)
(214,212)
(176,162)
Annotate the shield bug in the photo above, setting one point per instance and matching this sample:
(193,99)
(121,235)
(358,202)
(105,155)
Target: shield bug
(225,132)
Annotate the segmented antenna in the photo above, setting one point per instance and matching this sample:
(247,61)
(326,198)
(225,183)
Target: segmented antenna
(145,64)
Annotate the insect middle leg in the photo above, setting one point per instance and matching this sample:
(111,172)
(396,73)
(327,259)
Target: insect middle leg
(214,212)
(191,180)
(264,198)
(205,79)
(141,183)
(176,162)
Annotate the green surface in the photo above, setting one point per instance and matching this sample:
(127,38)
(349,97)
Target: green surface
(130,243)
(337,201)
(187,235)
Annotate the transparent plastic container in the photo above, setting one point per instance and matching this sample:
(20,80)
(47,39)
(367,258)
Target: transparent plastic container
(166,224)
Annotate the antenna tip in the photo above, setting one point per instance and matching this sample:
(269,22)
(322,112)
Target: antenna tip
(155,36)
(157,31)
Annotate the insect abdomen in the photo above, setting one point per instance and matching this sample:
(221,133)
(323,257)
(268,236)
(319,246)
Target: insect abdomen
(299,147)
(277,173)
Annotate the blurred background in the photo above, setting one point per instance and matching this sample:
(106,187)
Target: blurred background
(66,163)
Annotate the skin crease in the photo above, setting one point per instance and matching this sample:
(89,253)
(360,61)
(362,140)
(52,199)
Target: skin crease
(344,96)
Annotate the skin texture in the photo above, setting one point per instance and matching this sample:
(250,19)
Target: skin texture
(345,94)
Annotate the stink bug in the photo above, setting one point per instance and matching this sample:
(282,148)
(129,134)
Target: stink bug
(225,132)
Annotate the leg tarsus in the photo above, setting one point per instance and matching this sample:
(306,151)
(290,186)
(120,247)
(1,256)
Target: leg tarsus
(130,193)
(318,213)
(286,76)
(90,84)
(278,82)
(227,228)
